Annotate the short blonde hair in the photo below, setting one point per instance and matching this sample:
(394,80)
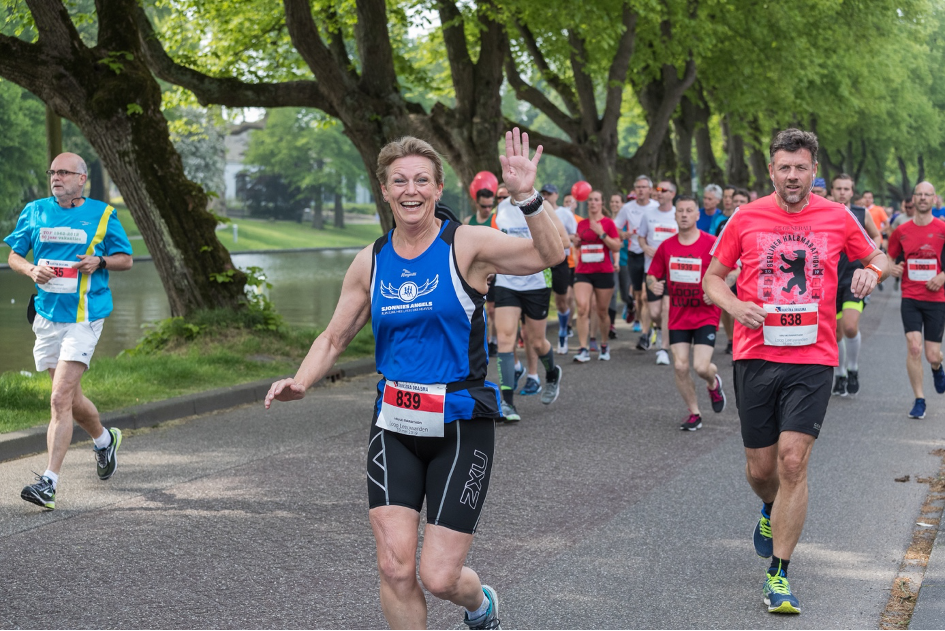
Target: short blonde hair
(405,147)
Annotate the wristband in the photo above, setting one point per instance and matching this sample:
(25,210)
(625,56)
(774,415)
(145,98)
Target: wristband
(535,194)
(879,272)
(532,206)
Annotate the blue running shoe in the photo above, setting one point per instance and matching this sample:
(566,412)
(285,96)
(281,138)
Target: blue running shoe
(918,410)
(764,546)
(532,386)
(636,326)
(490,619)
(778,596)
(938,376)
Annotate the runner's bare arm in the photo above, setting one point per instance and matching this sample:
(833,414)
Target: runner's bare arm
(39,273)
(865,280)
(747,313)
(351,314)
(649,251)
(88,264)
(655,286)
(562,232)
(872,230)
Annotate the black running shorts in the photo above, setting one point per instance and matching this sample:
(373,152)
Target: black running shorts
(561,277)
(533,302)
(774,398)
(490,293)
(635,266)
(599,280)
(924,316)
(704,335)
(451,472)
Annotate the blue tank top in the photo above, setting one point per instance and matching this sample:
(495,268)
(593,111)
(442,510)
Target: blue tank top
(430,326)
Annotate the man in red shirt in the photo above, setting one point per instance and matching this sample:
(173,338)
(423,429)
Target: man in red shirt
(677,269)
(916,246)
(789,244)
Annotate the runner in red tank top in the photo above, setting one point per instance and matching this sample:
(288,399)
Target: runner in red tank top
(677,270)
(917,248)
(785,346)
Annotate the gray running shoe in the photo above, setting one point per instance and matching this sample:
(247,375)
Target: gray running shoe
(106,458)
(509,414)
(42,493)
(490,619)
(582,356)
(550,393)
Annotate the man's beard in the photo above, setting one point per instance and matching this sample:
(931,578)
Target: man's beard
(792,198)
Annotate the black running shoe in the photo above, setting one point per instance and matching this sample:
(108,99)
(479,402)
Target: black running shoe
(853,381)
(106,458)
(840,386)
(43,493)
(728,349)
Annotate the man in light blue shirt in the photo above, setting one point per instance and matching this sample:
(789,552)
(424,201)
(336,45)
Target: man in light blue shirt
(76,242)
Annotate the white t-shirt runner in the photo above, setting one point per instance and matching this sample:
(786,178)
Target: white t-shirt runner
(570,223)
(629,218)
(657,226)
(511,221)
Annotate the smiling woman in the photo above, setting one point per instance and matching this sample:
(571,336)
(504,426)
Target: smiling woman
(423,286)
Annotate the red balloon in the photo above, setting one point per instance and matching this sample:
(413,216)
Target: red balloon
(483,179)
(581,190)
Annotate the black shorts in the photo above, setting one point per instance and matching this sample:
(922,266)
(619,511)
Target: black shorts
(533,302)
(490,293)
(925,317)
(452,472)
(845,291)
(635,265)
(651,297)
(774,398)
(703,335)
(561,277)
(600,280)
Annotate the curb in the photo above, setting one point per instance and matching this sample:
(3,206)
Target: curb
(15,445)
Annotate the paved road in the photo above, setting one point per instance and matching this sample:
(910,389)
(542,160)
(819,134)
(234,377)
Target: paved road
(601,513)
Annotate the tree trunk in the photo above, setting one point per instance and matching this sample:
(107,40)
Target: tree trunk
(683,125)
(318,205)
(736,170)
(113,98)
(759,170)
(706,165)
(96,180)
(339,209)
(53,135)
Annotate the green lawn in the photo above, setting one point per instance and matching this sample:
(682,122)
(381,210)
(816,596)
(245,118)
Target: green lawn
(260,234)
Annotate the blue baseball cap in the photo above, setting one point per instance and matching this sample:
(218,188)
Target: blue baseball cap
(820,183)
(549,188)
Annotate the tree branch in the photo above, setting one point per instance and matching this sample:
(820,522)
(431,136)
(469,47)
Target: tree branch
(461,66)
(537,99)
(336,43)
(378,76)
(225,90)
(674,88)
(583,83)
(20,62)
(56,31)
(617,77)
(307,40)
(555,146)
(547,74)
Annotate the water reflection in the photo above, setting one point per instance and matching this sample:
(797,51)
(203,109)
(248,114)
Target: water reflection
(305,288)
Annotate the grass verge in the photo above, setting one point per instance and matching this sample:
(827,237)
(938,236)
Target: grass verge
(210,350)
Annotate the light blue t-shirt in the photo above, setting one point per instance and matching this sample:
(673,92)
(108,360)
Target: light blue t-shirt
(57,236)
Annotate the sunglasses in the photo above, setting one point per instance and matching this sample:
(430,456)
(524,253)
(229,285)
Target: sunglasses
(660,189)
(61,173)
(485,205)
(501,197)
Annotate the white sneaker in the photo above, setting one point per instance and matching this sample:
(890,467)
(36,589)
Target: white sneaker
(662,358)
(582,356)
(563,348)
(604,353)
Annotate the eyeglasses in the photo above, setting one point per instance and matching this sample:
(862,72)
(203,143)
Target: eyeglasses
(61,173)
(501,197)
(660,189)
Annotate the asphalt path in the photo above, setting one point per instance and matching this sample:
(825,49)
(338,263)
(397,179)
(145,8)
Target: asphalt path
(601,513)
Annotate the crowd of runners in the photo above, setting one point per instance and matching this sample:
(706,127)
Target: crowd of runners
(784,277)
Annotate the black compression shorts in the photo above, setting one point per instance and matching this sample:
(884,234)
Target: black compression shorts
(534,303)
(561,277)
(599,280)
(774,398)
(924,316)
(451,472)
(635,263)
(703,335)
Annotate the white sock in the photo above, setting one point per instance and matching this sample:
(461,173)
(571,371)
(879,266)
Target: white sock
(483,608)
(853,351)
(104,440)
(535,377)
(52,476)
(841,369)
(518,365)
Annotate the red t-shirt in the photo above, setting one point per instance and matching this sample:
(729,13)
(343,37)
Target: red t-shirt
(789,266)
(922,247)
(593,256)
(683,266)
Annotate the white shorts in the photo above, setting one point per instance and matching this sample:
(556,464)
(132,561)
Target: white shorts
(64,341)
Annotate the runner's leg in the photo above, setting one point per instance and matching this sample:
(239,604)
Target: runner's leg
(914,362)
(66,378)
(395,533)
(683,378)
(442,568)
(790,507)
(582,295)
(702,363)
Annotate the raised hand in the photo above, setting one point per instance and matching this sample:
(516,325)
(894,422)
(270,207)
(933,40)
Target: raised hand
(518,171)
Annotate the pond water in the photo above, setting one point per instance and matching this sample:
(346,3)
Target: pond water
(305,288)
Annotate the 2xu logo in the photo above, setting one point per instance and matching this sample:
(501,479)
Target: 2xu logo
(470,495)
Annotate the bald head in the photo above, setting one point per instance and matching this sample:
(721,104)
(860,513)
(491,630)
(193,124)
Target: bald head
(67,188)
(923,197)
